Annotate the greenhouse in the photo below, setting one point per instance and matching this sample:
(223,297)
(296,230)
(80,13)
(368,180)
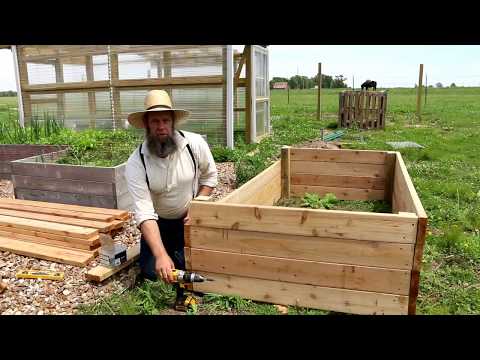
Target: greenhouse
(96,86)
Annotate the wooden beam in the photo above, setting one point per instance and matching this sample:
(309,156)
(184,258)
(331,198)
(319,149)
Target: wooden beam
(240,65)
(58,212)
(285,171)
(213,80)
(47,241)
(118,214)
(45,226)
(354,277)
(100,272)
(323,249)
(100,225)
(277,292)
(92,106)
(419,92)
(319,84)
(248,94)
(101,84)
(83,243)
(46,252)
(417,266)
(343,155)
(306,222)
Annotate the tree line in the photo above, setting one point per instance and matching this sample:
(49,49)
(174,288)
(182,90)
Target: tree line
(304,82)
(8,93)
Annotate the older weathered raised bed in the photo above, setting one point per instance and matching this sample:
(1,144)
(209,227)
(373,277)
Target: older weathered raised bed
(345,261)
(40,178)
(9,153)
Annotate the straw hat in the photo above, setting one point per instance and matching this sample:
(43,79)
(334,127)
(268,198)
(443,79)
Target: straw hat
(157,100)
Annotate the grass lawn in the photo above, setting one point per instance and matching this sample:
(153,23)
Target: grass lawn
(446,174)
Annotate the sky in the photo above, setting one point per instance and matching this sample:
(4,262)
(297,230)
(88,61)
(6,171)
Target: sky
(388,65)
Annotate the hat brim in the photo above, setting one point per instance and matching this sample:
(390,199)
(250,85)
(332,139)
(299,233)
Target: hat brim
(136,119)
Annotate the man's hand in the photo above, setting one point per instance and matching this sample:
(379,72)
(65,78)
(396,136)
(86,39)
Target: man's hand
(164,266)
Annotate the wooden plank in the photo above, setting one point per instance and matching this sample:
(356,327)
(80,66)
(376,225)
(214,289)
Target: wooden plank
(29,167)
(405,196)
(324,249)
(69,186)
(417,265)
(354,277)
(359,182)
(337,169)
(46,252)
(44,226)
(101,226)
(311,296)
(340,193)
(213,80)
(306,222)
(80,85)
(100,272)
(263,189)
(343,155)
(118,214)
(58,212)
(285,171)
(389,176)
(90,242)
(47,241)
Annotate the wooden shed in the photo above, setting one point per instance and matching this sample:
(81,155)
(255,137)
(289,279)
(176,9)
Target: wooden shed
(96,86)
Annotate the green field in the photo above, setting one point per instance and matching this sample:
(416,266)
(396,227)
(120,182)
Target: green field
(446,174)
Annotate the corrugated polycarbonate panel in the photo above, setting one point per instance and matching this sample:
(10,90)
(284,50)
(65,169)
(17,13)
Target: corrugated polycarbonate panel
(206,108)
(260,74)
(76,109)
(69,60)
(260,118)
(164,61)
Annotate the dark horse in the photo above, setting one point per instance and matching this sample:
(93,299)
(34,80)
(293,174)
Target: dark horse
(369,84)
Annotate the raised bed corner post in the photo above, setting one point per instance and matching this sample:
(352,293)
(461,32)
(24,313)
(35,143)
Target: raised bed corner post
(285,172)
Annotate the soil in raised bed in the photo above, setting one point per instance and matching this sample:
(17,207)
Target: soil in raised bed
(376,206)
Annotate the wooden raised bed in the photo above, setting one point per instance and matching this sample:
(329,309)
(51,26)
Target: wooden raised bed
(344,261)
(39,178)
(9,153)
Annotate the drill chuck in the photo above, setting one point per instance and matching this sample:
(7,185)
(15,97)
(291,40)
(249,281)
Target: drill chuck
(187,277)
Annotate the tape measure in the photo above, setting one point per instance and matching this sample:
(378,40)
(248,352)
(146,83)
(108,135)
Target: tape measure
(40,274)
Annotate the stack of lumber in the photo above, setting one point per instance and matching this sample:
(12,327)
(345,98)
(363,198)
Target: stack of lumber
(56,232)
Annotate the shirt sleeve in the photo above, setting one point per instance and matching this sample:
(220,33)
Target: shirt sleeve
(208,169)
(137,186)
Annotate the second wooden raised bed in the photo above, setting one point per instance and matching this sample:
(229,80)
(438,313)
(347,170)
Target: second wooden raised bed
(344,261)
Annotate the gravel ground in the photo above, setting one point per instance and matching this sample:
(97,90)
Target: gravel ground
(37,296)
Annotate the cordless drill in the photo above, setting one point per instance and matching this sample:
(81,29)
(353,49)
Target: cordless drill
(187,277)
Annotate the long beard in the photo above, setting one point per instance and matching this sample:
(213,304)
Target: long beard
(161,148)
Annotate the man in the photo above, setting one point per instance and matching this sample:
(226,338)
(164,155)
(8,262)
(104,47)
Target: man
(164,174)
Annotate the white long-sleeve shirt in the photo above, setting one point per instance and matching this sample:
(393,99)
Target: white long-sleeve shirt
(172,183)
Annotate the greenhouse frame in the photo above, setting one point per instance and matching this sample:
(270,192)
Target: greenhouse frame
(96,86)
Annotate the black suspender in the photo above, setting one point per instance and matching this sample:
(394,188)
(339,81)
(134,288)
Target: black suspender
(189,151)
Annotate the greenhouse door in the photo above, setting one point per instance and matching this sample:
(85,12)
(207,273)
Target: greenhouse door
(260,111)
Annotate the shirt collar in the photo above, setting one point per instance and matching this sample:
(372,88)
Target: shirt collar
(179,139)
